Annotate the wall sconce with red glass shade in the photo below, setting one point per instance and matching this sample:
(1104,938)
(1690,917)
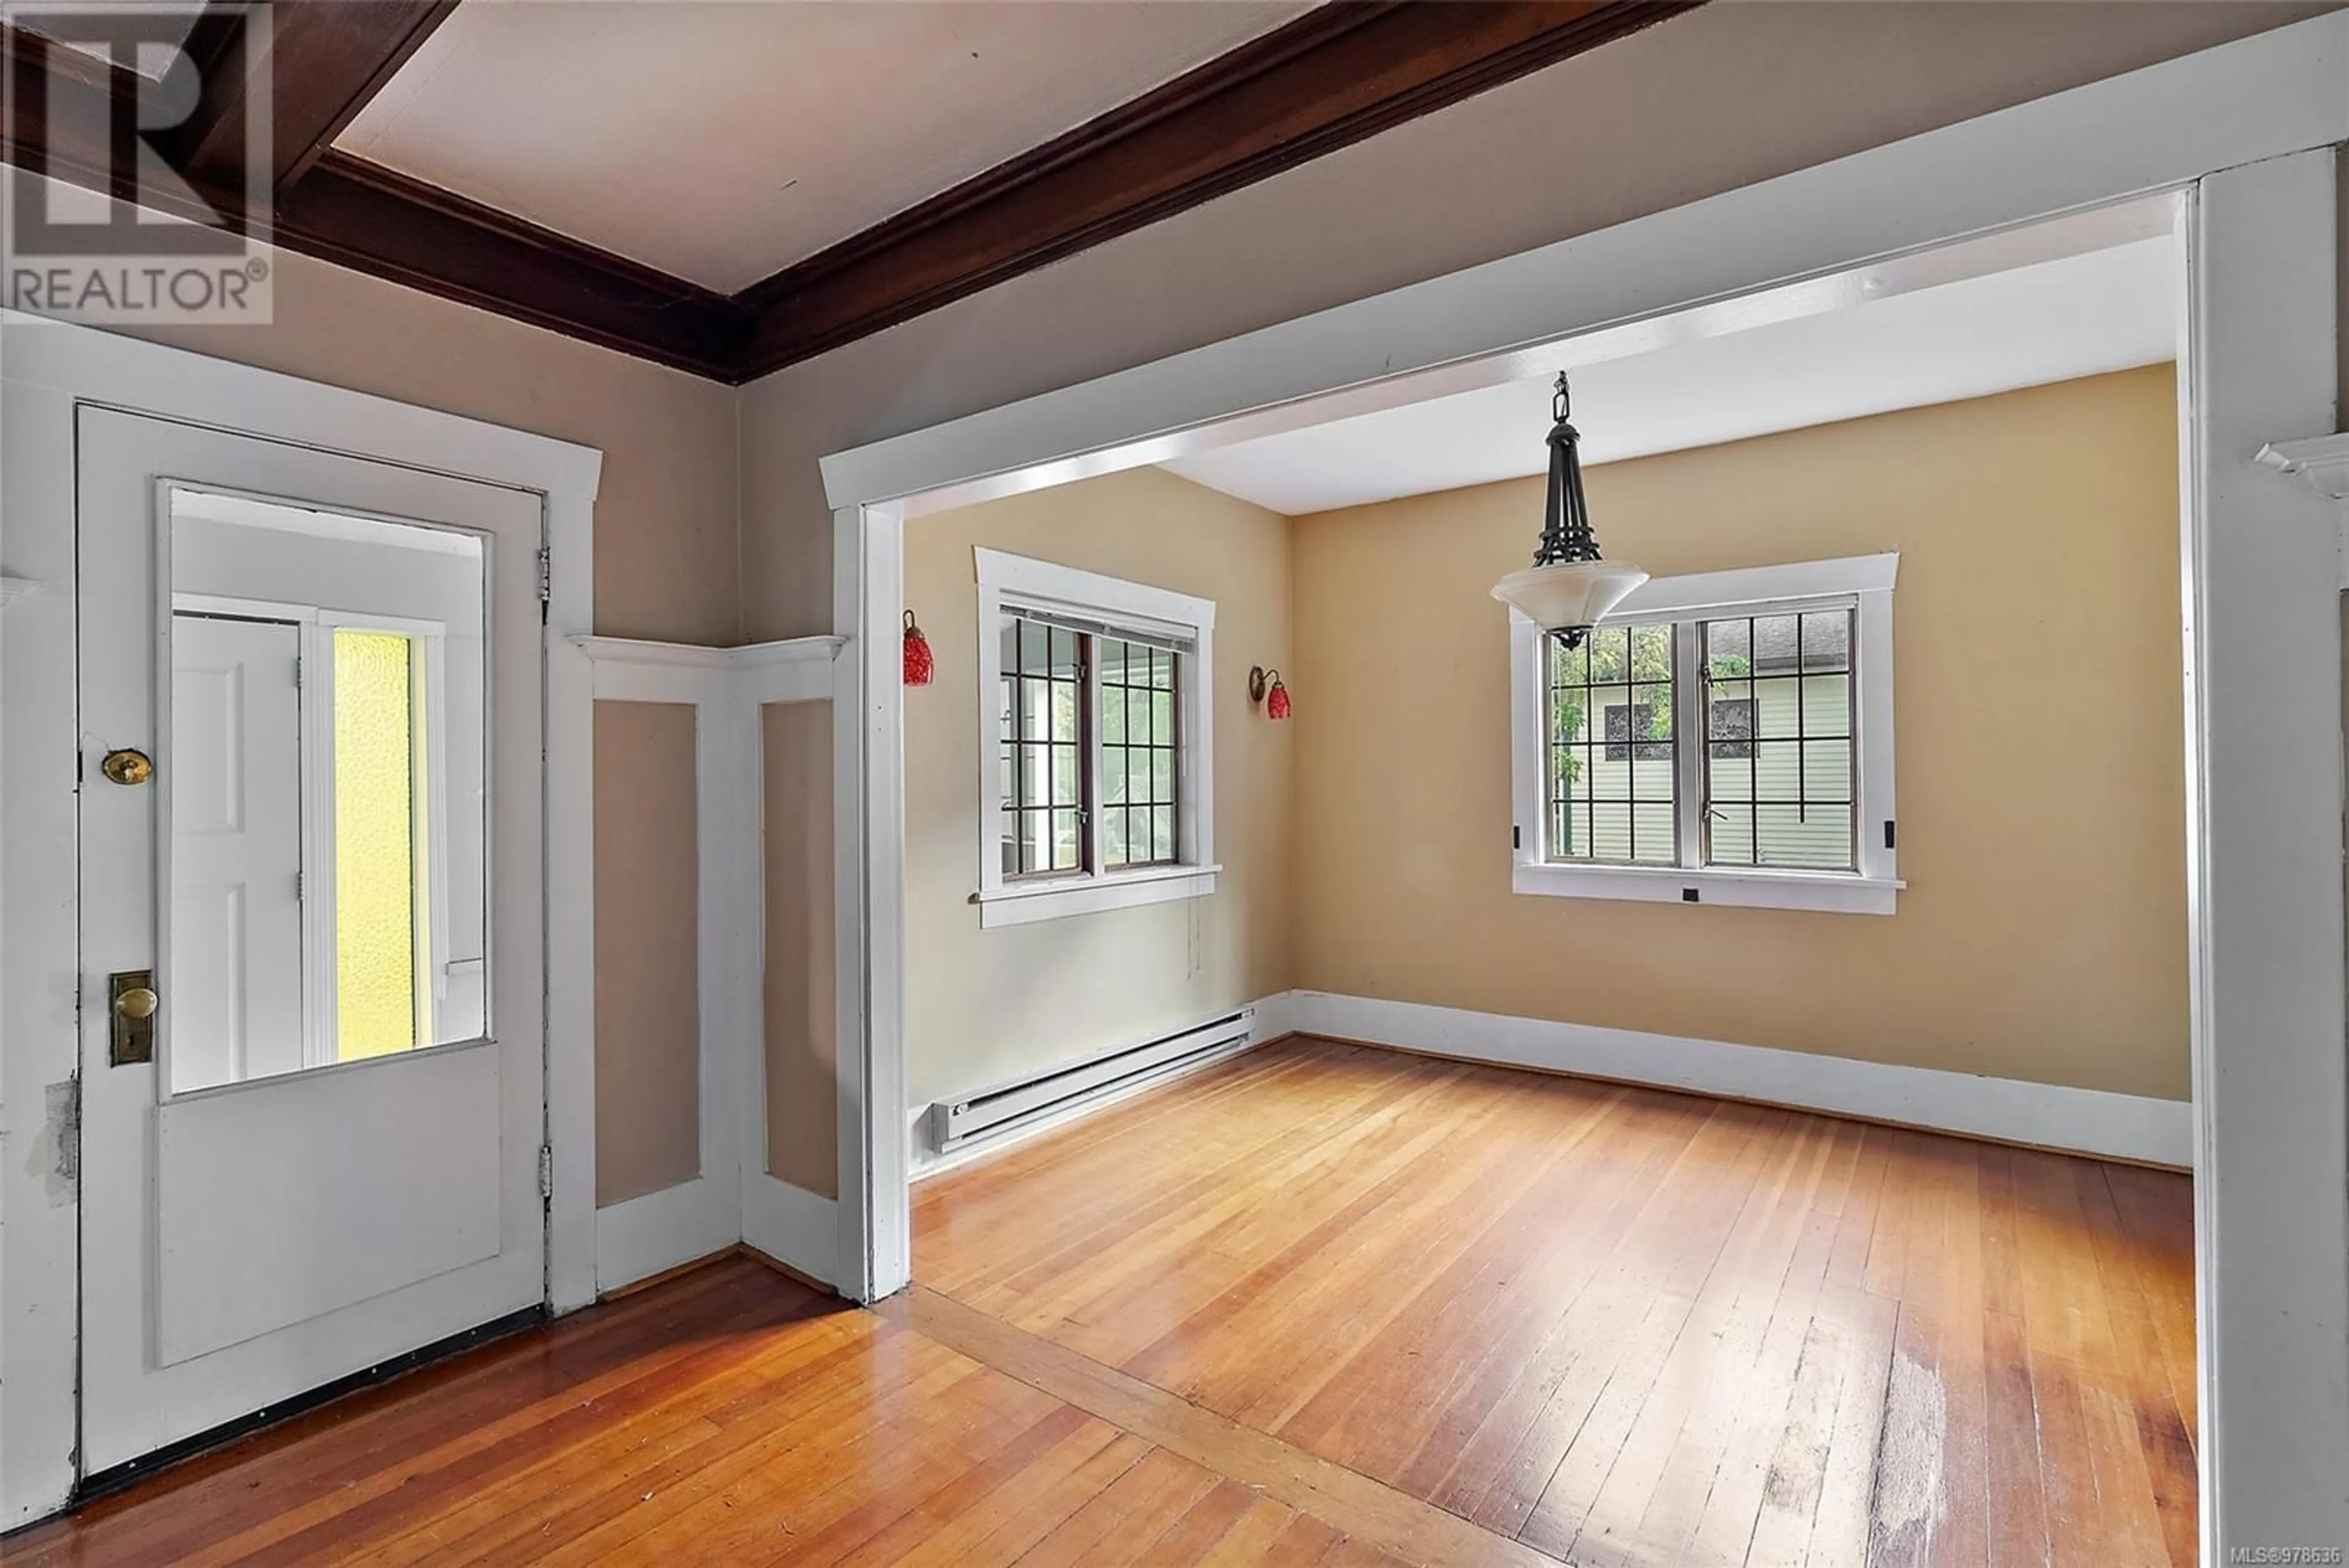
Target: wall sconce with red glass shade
(1265,687)
(921,664)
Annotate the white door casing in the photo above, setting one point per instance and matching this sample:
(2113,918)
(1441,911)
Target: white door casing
(245,1243)
(236,823)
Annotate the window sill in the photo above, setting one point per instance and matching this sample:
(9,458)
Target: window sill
(1828,891)
(1022,902)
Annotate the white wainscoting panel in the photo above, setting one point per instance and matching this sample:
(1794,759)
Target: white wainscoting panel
(2083,1121)
(725,686)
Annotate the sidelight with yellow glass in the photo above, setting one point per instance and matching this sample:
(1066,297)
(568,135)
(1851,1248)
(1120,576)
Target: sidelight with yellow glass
(382,904)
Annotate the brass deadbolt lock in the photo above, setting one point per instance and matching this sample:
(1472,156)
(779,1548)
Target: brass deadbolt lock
(127,766)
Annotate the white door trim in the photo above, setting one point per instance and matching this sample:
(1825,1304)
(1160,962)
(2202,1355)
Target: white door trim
(48,369)
(2275,1433)
(2263,804)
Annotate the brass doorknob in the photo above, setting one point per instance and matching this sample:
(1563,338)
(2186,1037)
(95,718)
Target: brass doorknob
(137,1002)
(127,767)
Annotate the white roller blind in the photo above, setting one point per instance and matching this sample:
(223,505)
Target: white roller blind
(1149,633)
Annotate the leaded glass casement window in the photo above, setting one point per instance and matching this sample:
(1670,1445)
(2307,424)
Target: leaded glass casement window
(1101,785)
(1141,735)
(1613,760)
(1779,779)
(1041,699)
(1727,738)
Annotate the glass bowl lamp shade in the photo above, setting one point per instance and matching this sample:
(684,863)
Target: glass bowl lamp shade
(1570,588)
(1569,597)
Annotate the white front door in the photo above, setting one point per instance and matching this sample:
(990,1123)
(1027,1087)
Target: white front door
(320,881)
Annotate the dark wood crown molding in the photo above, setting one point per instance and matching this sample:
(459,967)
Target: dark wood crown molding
(1341,72)
(377,221)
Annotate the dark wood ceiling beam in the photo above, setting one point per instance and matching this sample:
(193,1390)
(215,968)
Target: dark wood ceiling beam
(1338,74)
(326,59)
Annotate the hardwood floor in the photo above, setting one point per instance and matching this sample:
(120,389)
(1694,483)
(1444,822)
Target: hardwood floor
(1618,1326)
(1320,1305)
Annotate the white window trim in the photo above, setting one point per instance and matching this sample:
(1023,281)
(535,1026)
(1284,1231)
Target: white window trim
(1008,584)
(1865,581)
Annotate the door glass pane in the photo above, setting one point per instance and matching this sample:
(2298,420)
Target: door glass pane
(376,827)
(327,759)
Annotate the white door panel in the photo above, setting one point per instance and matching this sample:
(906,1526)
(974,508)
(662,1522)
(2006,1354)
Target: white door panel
(408,1149)
(247,1241)
(236,822)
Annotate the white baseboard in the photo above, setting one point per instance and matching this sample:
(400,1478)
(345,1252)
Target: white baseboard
(792,1225)
(640,1237)
(2083,1121)
(1270,1022)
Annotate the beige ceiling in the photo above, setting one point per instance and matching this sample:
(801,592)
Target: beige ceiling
(722,141)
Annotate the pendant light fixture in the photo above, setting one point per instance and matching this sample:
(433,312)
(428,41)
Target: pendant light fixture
(1567,588)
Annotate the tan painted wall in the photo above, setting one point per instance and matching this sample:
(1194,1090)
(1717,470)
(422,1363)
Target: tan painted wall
(647,1027)
(800,992)
(986,1005)
(666,549)
(2040,734)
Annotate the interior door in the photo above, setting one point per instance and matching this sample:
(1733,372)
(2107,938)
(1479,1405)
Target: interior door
(236,885)
(313,1045)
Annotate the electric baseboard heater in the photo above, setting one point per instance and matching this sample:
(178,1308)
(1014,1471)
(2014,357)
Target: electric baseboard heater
(999,1111)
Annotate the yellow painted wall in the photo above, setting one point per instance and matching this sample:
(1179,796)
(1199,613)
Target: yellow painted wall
(986,1005)
(2039,732)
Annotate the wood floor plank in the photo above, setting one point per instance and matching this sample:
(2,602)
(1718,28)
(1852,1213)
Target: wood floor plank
(1841,1523)
(1113,1526)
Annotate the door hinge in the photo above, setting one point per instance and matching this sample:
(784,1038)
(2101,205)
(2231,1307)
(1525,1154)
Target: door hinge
(546,1170)
(546,573)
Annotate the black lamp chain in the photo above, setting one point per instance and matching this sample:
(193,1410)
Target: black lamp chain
(1566,519)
